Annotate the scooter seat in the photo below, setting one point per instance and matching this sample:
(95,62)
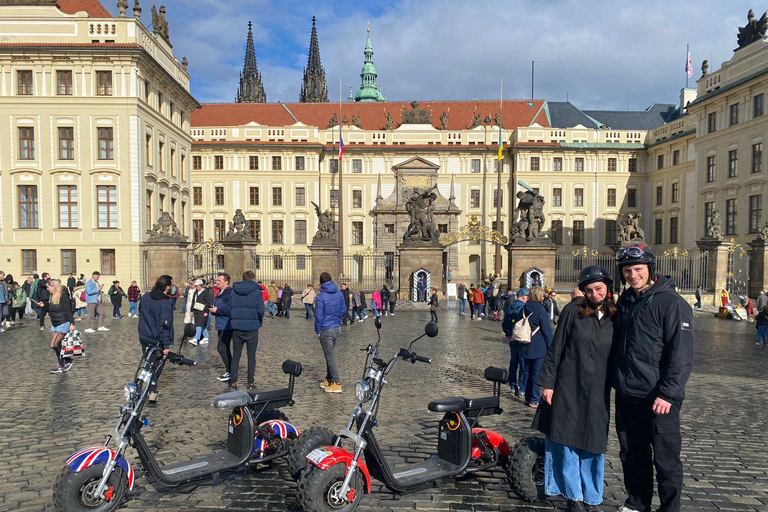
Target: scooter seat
(481,402)
(231,399)
(262,395)
(448,404)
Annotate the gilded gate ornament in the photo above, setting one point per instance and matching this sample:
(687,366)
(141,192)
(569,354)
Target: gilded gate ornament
(473,231)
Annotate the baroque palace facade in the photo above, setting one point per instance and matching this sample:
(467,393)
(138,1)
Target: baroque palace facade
(673,164)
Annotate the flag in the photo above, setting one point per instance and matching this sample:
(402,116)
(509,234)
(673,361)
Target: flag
(501,146)
(341,145)
(689,66)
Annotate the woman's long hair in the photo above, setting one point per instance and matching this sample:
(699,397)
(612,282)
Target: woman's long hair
(56,294)
(608,307)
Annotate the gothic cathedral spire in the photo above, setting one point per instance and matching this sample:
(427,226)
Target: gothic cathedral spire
(368,91)
(314,89)
(251,90)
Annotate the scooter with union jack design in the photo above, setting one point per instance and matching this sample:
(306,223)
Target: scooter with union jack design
(96,479)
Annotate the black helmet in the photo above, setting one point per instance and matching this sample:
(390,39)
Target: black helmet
(636,254)
(594,274)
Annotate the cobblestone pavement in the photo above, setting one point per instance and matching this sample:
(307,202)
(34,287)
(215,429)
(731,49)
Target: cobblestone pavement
(46,417)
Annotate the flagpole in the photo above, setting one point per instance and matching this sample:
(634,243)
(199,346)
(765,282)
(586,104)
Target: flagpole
(499,169)
(341,197)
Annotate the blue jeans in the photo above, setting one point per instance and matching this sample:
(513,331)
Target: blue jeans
(515,363)
(200,333)
(271,307)
(762,334)
(531,369)
(308,308)
(462,306)
(575,474)
(133,308)
(478,309)
(375,312)
(116,312)
(173,303)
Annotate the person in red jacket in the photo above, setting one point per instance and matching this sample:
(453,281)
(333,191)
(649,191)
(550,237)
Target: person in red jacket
(479,302)
(264,291)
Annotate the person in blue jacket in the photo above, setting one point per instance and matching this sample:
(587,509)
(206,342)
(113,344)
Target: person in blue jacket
(156,323)
(221,310)
(535,351)
(512,312)
(330,307)
(246,313)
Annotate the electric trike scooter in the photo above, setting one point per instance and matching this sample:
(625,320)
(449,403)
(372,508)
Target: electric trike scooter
(335,479)
(98,478)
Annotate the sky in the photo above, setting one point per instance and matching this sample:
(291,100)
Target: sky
(597,54)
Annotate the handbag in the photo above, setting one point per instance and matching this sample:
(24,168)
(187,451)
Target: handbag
(199,306)
(72,345)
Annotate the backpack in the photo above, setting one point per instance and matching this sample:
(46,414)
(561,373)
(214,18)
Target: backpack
(522,330)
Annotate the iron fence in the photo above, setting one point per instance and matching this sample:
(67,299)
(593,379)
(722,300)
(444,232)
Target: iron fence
(369,272)
(205,260)
(569,265)
(737,281)
(283,267)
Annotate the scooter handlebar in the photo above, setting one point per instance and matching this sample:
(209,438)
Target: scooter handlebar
(422,359)
(183,360)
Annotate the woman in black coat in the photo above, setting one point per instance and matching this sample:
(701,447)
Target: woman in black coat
(287,299)
(200,312)
(575,406)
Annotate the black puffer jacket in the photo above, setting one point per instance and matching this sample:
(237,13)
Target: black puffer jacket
(62,312)
(653,352)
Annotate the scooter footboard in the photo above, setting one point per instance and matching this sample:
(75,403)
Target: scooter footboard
(87,457)
(328,456)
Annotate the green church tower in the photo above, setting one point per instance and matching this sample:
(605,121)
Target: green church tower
(368,91)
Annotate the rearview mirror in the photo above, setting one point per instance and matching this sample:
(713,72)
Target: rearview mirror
(431,329)
(377,322)
(189,330)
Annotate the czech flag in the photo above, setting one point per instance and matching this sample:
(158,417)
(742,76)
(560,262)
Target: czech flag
(341,146)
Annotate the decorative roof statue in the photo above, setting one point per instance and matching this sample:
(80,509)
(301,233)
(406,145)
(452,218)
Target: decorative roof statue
(326,228)
(477,120)
(390,121)
(763,234)
(528,218)
(184,64)
(444,119)
(715,226)
(416,115)
(122,6)
(628,229)
(356,121)
(159,24)
(239,228)
(165,229)
(422,226)
(753,31)
(136,9)
(704,68)
(498,121)
(333,121)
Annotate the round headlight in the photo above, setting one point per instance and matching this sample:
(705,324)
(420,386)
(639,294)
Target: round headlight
(129,391)
(363,391)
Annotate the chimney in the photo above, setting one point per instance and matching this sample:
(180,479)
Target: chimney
(687,95)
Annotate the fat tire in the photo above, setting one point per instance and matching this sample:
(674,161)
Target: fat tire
(527,454)
(314,482)
(271,414)
(307,441)
(69,483)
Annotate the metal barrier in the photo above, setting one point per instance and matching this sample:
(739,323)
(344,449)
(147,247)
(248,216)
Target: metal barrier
(369,272)
(569,265)
(283,267)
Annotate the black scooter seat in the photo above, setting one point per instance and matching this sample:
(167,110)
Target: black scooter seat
(481,402)
(448,404)
(231,399)
(261,395)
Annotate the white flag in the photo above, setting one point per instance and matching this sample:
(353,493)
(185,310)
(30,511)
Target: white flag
(689,66)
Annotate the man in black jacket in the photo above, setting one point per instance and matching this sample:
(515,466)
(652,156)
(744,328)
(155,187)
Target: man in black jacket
(156,323)
(42,295)
(345,293)
(651,363)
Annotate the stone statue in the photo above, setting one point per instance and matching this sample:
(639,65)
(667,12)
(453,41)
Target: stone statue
(498,121)
(184,64)
(159,24)
(326,229)
(356,121)
(528,218)
(136,9)
(753,31)
(444,119)
(715,226)
(763,234)
(477,120)
(164,228)
(333,121)
(122,6)
(628,228)
(422,226)
(704,68)
(390,121)
(416,115)
(345,120)
(239,228)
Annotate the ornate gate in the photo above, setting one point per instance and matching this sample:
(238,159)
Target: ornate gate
(206,260)
(473,231)
(737,282)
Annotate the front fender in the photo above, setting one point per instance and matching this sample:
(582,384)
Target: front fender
(87,457)
(328,456)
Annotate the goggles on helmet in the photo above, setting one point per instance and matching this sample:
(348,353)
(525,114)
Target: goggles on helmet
(633,251)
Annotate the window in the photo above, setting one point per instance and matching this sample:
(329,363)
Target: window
(334,198)
(733,163)
(712,122)
(673,230)
(676,157)
(277,262)
(173,208)
(710,169)
(733,110)
(632,165)
(557,232)
(579,164)
(612,164)
(474,198)
(578,197)
(730,216)
(218,196)
(301,196)
(578,232)
(333,165)
(610,232)
(300,163)
(197,196)
(757,157)
(300,231)
(197,162)
(443,229)
(610,198)
(301,262)
(182,224)
(28,206)
(68,261)
(218,162)
(757,105)
(171,108)
(357,199)
(253,163)
(253,196)
(107,145)
(64,83)
(147,89)
(277,231)
(632,198)
(219,229)
(389,229)
(277,163)
(104,83)
(557,164)
(256,229)
(197,231)
(494,226)
(659,195)
(498,195)
(658,231)
(161,209)
(29,261)
(660,162)
(172,162)
(277,196)
(106,202)
(557,196)
(475,165)
(534,163)
(149,210)
(67,206)
(675,192)
(108,262)
(66,143)
(357,165)
(160,155)
(708,209)
(148,149)
(159,102)
(26,143)
(25,83)
(357,232)
(755,213)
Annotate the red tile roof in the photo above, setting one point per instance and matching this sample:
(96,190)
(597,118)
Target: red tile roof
(372,115)
(92,7)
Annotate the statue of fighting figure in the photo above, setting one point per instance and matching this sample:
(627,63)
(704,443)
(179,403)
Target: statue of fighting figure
(422,226)
(529,217)
(326,229)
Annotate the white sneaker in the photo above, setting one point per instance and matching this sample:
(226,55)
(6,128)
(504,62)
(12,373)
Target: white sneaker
(42,328)
(360,321)
(391,314)
(204,341)
(626,509)
(193,341)
(102,328)
(3,330)
(78,319)
(89,330)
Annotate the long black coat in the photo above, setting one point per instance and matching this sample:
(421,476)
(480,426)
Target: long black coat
(576,368)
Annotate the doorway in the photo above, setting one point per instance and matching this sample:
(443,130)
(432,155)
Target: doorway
(475,274)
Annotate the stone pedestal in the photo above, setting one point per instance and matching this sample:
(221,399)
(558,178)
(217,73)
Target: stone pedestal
(524,256)
(165,258)
(758,267)
(325,258)
(413,258)
(717,263)
(237,257)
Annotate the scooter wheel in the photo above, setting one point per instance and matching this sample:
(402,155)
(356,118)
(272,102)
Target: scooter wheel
(318,489)
(525,468)
(307,441)
(73,491)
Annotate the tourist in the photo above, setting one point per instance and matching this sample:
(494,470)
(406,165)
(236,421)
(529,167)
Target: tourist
(94,302)
(330,307)
(174,295)
(200,303)
(461,294)
(221,309)
(433,303)
(762,301)
(273,296)
(134,293)
(479,301)
(32,294)
(287,298)
(575,294)
(4,299)
(308,299)
(550,304)
(392,301)
(356,303)
(471,300)
(19,303)
(116,295)
(246,313)
(516,362)
(346,292)
(575,409)
(651,363)
(498,303)
(279,301)
(190,291)
(698,295)
(42,296)
(384,294)
(535,351)
(59,307)
(376,302)
(81,306)
(156,324)
(761,323)
(187,290)
(363,304)
(27,286)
